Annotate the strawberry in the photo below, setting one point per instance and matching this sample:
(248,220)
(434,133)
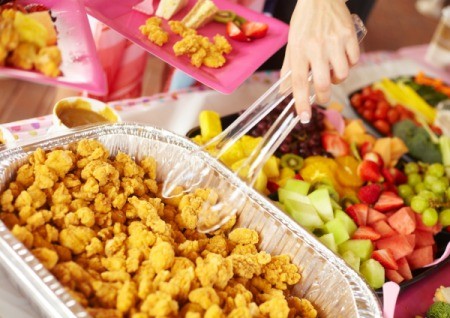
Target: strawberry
(235,33)
(385,258)
(374,216)
(375,157)
(365,148)
(399,176)
(403,268)
(366,233)
(34,7)
(387,175)
(394,276)
(298,176)
(370,193)
(334,144)
(388,201)
(254,30)
(390,187)
(358,212)
(369,171)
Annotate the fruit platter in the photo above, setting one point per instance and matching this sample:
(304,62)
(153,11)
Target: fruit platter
(405,107)
(388,218)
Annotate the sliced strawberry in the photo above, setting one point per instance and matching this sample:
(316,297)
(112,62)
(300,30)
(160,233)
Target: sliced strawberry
(366,233)
(235,33)
(399,176)
(35,7)
(358,212)
(403,221)
(424,238)
(384,229)
(394,276)
(334,144)
(369,171)
(365,148)
(390,187)
(386,173)
(388,201)
(255,30)
(403,268)
(374,216)
(375,157)
(272,186)
(385,258)
(370,193)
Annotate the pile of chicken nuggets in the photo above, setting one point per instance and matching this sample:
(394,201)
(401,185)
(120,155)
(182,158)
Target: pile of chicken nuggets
(99,224)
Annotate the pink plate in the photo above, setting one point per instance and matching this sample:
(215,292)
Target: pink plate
(245,58)
(80,66)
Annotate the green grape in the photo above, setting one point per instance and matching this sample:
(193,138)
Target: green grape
(438,187)
(413,179)
(445,180)
(429,180)
(419,187)
(436,169)
(408,199)
(419,204)
(427,195)
(411,167)
(430,217)
(444,217)
(405,190)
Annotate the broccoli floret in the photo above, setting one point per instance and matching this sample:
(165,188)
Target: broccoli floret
(418,141)
(404,129)
(439,310)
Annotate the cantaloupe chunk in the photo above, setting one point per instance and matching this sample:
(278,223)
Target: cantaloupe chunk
(383,147)
(44,18)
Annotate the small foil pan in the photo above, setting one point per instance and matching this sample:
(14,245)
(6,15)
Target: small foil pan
(334,288)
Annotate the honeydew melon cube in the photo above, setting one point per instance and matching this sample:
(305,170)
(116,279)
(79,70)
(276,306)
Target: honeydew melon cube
(338,229)
(284,195)
(328,241)
(352,260)
(349,224)
(362,248)
(373,272)
(303,213)
(320,199)
(297,186)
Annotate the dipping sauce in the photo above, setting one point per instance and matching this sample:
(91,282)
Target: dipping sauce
(79,113)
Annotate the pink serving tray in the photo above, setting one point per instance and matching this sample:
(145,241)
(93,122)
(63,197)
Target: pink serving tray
(245,58)
(80,65)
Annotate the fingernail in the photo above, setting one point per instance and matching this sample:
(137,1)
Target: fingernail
(305,117)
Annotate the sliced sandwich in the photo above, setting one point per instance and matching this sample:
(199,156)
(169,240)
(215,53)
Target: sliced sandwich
(168,8)
(202,13)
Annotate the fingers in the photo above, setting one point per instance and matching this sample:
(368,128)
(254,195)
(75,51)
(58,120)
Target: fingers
(285,68)
(339,64)
(352,49)
(300,85)
(320,68)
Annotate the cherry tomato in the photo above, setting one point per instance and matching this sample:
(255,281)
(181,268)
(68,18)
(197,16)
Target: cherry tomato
(382,126)
(393,115)
(368,114)
(366,91)
(380,113)
(356,100)
(369,104)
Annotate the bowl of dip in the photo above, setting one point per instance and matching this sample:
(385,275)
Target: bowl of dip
(72,112)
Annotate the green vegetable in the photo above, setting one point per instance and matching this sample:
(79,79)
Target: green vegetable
(444,143)
(439,310)
(418,141)
(428,93)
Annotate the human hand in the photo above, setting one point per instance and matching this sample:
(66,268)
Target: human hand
(322,38)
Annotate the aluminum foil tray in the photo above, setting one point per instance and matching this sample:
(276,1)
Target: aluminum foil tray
(332,286)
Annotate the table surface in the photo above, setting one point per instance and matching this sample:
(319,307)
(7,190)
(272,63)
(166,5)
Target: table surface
(178,112)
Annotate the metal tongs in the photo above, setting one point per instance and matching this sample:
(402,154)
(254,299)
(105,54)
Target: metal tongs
(216,211)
